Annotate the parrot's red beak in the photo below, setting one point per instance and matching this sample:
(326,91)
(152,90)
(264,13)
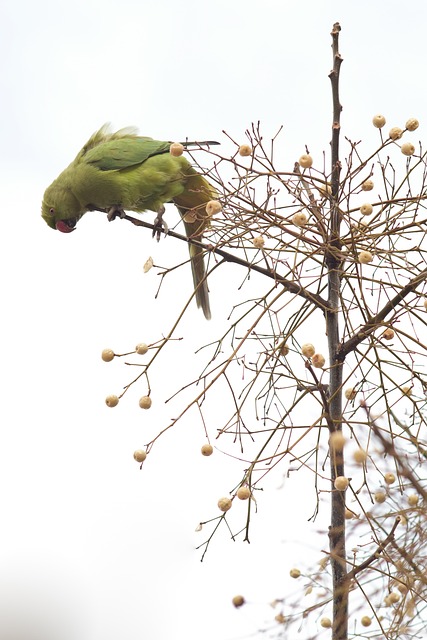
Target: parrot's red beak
(66,226)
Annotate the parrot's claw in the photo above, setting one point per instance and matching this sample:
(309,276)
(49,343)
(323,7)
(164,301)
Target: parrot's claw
(160,225)
(115,212)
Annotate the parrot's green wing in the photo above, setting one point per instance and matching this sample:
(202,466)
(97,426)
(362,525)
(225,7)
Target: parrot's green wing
(124,152)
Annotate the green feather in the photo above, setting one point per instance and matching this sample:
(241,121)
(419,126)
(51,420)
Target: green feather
(122,153)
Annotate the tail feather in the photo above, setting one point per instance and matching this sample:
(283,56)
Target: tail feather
(203,143)
(197,194)
(194,229)
(199,279)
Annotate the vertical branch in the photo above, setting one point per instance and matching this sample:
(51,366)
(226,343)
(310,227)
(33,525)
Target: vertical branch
(337,108)
(337,527)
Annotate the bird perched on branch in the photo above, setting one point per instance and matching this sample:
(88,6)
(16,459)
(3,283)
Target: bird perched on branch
(121,171)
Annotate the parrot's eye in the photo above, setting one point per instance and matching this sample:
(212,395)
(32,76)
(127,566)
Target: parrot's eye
(52,211)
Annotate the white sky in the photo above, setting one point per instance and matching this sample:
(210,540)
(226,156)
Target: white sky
(80,523)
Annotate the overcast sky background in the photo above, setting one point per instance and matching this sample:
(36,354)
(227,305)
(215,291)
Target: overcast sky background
(81,526)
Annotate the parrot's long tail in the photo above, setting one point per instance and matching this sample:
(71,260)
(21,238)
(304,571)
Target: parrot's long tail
(199,279)
(195,223)
(192,207)
(202,143)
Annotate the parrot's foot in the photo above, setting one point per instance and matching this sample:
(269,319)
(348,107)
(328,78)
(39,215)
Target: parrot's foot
(160,225)
(115,212)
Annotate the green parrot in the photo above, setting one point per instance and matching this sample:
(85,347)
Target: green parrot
(123,171)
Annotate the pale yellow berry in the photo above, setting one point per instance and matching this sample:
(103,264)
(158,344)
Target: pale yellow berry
(207,450)
(394,597)
(387,601)
(395,133)
(365,257)
(413,500)
(148,265)
(368,185)
(402,588)
(284,349)
(280,618)
(139,455)
(308,590)
(245,150)
(388,334)
(308,350)
(141,348)
(111,401)
(389,478)
(213,207)
(366,621)
(258,242)
(425,303)
(407,391)
(402,520)
(366,209)
(318,361)
(325,190)
(238,601)
(145,402)
(107,355)
(190,216)
(326,623)
(224,504)
(341,483)
(360,456)
(295,573)
(337,440)
(412,124)
(380,497)
(350,393)
(176,149)
(243,493)
(378,121)
(349,515)
(299,219)
(306,161)
(407,149)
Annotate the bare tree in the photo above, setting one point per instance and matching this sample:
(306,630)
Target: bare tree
(338,251)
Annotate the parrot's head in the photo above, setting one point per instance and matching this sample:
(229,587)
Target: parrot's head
(60,208)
